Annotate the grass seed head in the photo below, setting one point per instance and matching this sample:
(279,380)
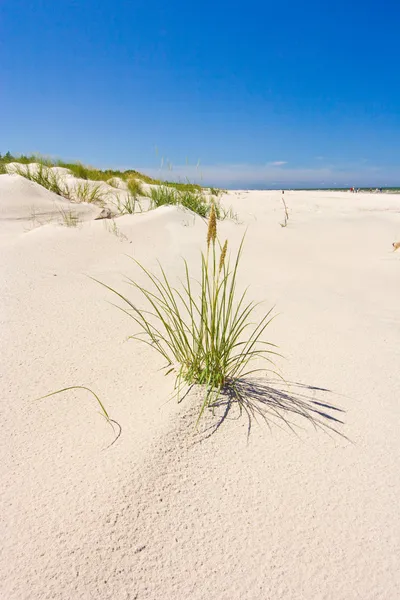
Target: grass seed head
(212,227)
(223,255)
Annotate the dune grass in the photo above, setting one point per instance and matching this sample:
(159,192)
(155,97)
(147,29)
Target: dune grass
(25,159)
(228,214)
(186,194)
(46,177)
(88,192)
(205,332)
(286,213)
(127,204)
(55,182)
(114,182)
(161,195)
(186,186)
(215,192)
(77,169)
(69,217)
(194,200)
(135,187)
(103,410)
(80,171)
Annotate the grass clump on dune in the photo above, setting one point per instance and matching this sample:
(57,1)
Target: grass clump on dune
(186,194)
(87,192)
(44,176)
(204,331)
(194,200)
(69,218)
(135,187)
(55,182)
(215,191)
(128,202)
(183,187)
(162,195)
(77,169)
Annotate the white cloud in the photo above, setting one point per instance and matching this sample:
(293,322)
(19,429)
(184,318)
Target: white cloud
(278,163)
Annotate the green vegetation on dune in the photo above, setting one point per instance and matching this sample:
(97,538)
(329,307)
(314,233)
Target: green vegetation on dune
(194,199)
(82,171)
(206,332)
(45,177)
(76,168)
(182,187)
(189,195)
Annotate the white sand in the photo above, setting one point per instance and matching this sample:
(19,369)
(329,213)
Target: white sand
(164,513)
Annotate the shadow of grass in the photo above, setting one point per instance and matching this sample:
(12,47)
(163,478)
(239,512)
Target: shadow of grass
(277,403)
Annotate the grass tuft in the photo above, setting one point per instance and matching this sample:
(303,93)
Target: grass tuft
(69,218)
(44,176)
(227,213)
(162,195)
(204,331)
(135,187)
(194,200)
(127,204)
(179,186)
(88,192)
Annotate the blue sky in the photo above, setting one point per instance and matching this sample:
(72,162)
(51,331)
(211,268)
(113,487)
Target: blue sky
(264,94)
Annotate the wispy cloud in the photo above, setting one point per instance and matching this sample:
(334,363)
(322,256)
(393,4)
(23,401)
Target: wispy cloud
(278,163)
(241,176)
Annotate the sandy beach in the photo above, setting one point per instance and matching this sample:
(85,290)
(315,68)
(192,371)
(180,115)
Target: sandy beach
(239,509)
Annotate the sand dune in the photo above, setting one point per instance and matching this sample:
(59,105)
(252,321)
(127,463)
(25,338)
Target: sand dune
(230,511)
(25,205)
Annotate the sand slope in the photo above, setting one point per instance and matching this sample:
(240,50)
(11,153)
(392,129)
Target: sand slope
(169,513)
(25,205)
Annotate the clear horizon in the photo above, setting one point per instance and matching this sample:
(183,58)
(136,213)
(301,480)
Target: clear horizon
(274,96)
